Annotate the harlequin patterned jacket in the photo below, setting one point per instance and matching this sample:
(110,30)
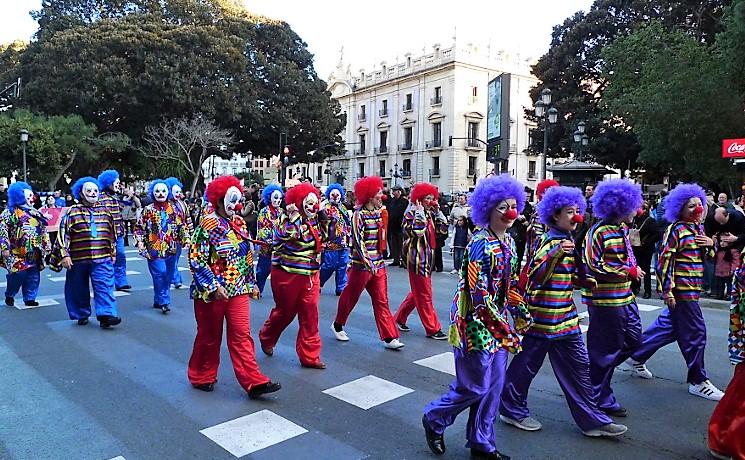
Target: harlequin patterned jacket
(23,233)
(266,221)
(220,255)
(737,318)
(339,226)
(161,228)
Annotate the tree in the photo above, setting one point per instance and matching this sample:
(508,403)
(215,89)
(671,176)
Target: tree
(186,142)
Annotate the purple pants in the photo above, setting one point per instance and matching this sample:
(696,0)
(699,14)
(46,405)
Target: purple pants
(684,324)
(614,333)
(479,377)
(571,367)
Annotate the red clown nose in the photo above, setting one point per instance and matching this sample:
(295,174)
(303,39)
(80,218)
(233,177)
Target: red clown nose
(639,212)
(238,207)
(510,214)
(699,209)
(578,219)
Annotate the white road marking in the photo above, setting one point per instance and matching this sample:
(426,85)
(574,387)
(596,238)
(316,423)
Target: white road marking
(134,259)
(43,302)
(57,279)
(444,362)
(133,272)
(367,392)
(647,307)
(583,328)
(253,432)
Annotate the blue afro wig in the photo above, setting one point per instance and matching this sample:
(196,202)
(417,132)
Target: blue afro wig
(171,181)
(266,195)
(490,192)
(616,199)
(77,187)
(155,182)
(16,194)
(107,178)
(679,196)
(557,198)
(335,187)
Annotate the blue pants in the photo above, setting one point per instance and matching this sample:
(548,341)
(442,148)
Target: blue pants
(263,269)
(162,272)
(28,280)
(120,265)
(335,262)
(176,278)
(77,290)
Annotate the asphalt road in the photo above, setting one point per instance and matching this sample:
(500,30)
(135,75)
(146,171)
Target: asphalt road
(71,392)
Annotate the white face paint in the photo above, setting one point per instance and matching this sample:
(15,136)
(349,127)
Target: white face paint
(232,201)
(89,194)
(176,192)
(335,196)
(29,196)
(310,205)
(160,192)
(117,186)
(276,198)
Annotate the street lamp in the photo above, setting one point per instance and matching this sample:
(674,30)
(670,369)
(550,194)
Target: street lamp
(24,139)
(285,161)
(547,115)
(396,174)
(581,139)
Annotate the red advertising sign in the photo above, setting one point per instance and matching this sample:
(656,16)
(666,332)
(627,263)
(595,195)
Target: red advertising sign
(733,148)
(53,216)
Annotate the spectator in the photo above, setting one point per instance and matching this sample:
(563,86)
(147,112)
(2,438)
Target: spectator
(396,207)
(519,230)
(69,201)
(249,213)
(58,200)
(3,193)
(461,237)
(131,207)
(460,209)
(722,200)
(660,211)
(644,236)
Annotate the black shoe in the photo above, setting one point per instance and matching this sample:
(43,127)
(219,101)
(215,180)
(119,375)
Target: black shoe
(126,287)
(620,412)
(264,388)
(106,321)
(496,455)
(394,264)
(647,295)
(178,286)
(403,327)
(436,442)
(204,386)
(439,335)
(10,301)
(164,309)
(31,303)
(156,306)
(338,294)
(82,321)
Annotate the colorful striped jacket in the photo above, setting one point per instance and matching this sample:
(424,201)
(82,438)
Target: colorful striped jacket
(160,229)
(736,341)
(367,231)
(23,233)
(487,289)
(550,286)
(266,221)
(420,236)
(113,204)
(220,255)
(339,226)
(607,260)
(297,244)
(87,234)
(680,262)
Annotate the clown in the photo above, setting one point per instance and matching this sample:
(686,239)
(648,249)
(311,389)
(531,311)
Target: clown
(24,244)
(615,328)
(221,262)
(336,248)
(423,222)
(295,275)
(536,228)
(159,231)
(110,199)
(480,332)
(367,270)
(555,330)
(177,200)
(87,247)
(267,220)
(680,273)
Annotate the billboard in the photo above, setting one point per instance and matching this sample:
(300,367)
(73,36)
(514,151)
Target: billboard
(498,118)
(494,109)
(733,148)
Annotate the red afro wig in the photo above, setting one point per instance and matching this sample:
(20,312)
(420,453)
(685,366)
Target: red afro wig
(423,189)
(297,194)
(543,186)
(217,189)
(366,188)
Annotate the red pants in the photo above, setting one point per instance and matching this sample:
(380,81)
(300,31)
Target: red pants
(420,298)
(295,295)
(205,358)
(377,287)
(727,425)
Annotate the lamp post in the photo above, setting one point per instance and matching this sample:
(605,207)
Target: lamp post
(581,139)
(249,163)
(24,139)
(396,174)
(285,161)
(548,116)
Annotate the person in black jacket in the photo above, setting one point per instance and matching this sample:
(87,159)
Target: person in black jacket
(396,206)
(644,245)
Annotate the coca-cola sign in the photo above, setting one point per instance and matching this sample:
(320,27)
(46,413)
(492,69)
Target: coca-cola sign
(733,148)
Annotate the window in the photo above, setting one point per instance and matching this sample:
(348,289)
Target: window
(381,168)
(305,172)
(383,141)
(435,166)
(319,173)
(531,169)
(438,96)
(362,143)
(361,170)
(363,113)
(224,170)
(409,102)
(473,134)
(436,134)
(407,168)
(471,166)
(474,94)
(384,108)
(408,138)
(235,171)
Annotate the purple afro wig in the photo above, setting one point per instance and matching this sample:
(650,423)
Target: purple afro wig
(335,187)
(616,199)
(151,188)
(77,187)
(107,178)
(679,196)
(266,194)
(490,192)
(557,198)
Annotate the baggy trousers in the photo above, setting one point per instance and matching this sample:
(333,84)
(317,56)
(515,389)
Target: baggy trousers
(205,358)
(77,292)
(479,377)
(571,367)
(420,298)
(162,272)
(335,262)
(684,324)
(727,424)
(26,280)
(613,334)
(176,279)
(263,268)
(377,287)
(120,264)
(295,295)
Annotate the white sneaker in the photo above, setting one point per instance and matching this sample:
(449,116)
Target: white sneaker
(639,369)
(706,390)
(527,424)
(609,430)
(341,336)
(394,344)
(453,272)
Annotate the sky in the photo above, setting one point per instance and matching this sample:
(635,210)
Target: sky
(373,31)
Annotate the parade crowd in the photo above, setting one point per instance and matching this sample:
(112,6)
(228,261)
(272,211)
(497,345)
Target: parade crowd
(518,267)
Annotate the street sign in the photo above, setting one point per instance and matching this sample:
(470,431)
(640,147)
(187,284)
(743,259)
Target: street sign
(733,148)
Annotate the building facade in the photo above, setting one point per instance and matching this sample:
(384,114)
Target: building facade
(239,163)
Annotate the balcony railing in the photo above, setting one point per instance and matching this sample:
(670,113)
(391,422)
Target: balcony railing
(434,144)
(383,113)
(359,152)
(437,100)
(405,147)
(434,172)
(408,107)
(474,144)
(362,116)
(406,174)
(381,149)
